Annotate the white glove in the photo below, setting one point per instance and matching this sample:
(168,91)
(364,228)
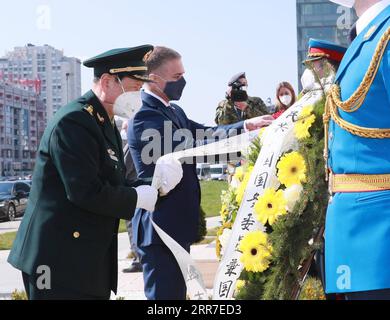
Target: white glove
(258,123)
(167,175)
(147,197)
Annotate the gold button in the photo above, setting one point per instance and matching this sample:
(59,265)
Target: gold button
(76,235)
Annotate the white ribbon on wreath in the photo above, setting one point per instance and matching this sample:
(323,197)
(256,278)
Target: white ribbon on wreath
(277,139)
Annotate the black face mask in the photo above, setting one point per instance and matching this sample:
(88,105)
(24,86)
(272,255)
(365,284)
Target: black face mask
(174,89)
(238,95)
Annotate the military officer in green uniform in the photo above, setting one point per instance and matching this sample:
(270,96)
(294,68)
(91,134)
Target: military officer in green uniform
(238,106)
(66,246)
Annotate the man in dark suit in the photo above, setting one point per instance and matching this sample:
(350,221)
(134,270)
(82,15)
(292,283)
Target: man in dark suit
(131,175)
(66,246)
(178,212)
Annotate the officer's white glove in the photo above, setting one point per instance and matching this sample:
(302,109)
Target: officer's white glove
(167,175)
(258,123)
(147,197)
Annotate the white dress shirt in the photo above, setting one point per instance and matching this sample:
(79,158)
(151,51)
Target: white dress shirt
(167,104)
(370,15)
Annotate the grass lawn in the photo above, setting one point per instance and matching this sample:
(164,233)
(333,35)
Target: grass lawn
(122,227)
(6,240)
(211,196)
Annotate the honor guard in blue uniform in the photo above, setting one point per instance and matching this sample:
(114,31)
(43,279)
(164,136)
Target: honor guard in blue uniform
(357,124)
(66,246)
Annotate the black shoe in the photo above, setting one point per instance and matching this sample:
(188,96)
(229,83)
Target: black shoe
(134,268)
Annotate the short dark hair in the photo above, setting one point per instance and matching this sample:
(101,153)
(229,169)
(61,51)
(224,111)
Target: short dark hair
(159,56)
(96,79)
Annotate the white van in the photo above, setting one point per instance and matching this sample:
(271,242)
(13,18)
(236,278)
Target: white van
(203,171)
(219,172)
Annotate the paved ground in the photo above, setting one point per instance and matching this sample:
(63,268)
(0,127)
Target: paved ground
(6,226)
(213,222)
(10,278)
(130,286)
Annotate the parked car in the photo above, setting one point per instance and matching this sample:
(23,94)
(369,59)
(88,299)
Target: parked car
(219,172)
(203,171)
(13,199)
(29,182)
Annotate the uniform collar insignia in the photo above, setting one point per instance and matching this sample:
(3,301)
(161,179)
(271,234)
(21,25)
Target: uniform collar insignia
(89,109)
(370,32)
(101,119)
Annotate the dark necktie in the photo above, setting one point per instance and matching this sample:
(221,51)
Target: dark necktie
(173,116)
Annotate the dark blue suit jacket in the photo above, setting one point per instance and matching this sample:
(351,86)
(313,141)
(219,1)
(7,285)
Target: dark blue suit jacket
(178,213)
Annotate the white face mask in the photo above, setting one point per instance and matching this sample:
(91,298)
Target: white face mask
(308,79)
(127,104)
(345,3)
(286,99)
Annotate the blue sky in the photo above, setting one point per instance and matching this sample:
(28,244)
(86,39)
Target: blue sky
(217,39)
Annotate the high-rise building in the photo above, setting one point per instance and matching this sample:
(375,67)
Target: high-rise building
(55,77)
(22,123)
(324,20)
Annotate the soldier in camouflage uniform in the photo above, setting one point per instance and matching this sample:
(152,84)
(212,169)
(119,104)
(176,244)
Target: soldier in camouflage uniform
(238,106)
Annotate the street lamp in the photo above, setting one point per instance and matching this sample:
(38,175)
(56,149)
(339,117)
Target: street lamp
(67,87)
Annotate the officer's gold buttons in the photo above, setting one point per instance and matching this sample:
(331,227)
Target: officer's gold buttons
(76,235)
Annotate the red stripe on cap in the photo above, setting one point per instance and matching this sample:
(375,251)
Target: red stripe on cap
(334,55)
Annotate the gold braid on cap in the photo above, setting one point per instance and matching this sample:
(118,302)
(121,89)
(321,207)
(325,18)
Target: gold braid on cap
(355,102)
(318,55)
(128,69)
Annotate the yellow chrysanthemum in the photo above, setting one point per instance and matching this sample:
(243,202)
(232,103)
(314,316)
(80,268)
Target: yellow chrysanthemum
(306,111)
(312,290)
(240,284)
(256,252)
(303,126)
(270,206)
(292,169)
(242,188)
(305,122)
(224,212)
(239,174)
(261,132)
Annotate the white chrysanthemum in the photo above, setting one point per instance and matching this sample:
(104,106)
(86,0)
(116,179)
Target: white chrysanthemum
(235,183)
(224,239)
(292,195)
